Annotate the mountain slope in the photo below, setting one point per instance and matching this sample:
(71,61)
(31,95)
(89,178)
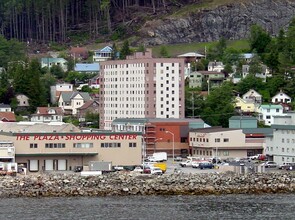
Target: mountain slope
(232,21)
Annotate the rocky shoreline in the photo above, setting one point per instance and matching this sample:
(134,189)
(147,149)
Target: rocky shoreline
(121,184)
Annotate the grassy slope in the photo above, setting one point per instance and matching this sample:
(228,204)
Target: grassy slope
(177,49)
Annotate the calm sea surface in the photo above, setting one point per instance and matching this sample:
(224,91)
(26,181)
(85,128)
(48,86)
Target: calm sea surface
(280,206)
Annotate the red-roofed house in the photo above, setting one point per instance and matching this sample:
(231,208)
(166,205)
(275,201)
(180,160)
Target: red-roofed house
(90,106)
(48,114)
(7,117)
(79,53)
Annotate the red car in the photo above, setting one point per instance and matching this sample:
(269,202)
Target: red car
(147,170)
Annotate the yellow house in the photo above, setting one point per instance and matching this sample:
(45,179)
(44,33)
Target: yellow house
(244,106)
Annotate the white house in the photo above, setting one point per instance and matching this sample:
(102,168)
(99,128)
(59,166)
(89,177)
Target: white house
(252,96)
(215,66)
(23,100)
(103,54)
(48,114)
(71,101)
(49,62)
(247,57)
(267,113)
(57,89)
(263,74)
(281,97)
(5,108)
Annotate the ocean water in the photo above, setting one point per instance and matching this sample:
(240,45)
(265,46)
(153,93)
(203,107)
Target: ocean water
(274,206)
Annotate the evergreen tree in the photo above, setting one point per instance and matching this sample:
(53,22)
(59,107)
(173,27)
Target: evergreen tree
(163,52)
(114,51)
(125,51)
(35,92)
(259,39)
(218,106)
(220,48)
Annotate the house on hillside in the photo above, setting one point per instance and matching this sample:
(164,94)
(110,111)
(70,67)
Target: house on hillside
(7,117)
(215,66)
(92,68)
(262,75)
(281,97)
(90,106)
(57,89)
(247,57)
(94,82)
(252,96)
(22,100)
(191,57)
(71,101)
(266,113)
(211,78)
(245,107)
(49,62)
(47,114)
(103,54)
(5,108)
(79,53)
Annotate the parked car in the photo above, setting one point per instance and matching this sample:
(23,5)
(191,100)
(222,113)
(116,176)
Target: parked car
(195,164)
(258,157)
(138,170)
(205,165)
(156,171)
(270,164)
(187,163)
(147,169)
(290,167)
(284,166)
(178,159)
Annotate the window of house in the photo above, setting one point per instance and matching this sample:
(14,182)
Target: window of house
(283,149)
(217,139)
(277,110)
(268,117)
(283,140)
(225,140)
(268,110)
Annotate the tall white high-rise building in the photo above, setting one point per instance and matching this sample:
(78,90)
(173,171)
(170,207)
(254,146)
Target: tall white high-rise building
(141,87)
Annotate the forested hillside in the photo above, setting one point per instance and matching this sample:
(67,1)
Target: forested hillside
(62,20)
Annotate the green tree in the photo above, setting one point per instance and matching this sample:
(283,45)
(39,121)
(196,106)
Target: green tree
(164,52)
(249,82)
(93,118)
(36,92)
(259,39)
(125,51)
(47,80)
(220,48)
(194,102)
(57,71)
(218,106)
(114,51)
(255,65)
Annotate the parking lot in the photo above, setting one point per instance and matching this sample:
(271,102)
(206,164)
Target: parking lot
(171,168)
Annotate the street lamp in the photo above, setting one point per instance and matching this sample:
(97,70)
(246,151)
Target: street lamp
(172,143)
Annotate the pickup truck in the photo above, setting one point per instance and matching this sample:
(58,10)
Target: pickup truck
(187,163)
